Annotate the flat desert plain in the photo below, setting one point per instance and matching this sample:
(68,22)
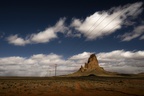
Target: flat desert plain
(71,86)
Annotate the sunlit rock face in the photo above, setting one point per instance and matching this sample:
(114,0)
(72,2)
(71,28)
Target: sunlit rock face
(92,64)
(92,68)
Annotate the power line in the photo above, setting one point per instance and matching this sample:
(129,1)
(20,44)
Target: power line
(96,22)
(93,29)
(89,32)
(105,25)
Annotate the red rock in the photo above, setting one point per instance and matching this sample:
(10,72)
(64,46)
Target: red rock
(92,67)
(92,64)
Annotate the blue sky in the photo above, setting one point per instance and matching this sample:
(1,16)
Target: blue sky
(36,35)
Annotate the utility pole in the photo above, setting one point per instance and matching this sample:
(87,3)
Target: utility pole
(55,68)
(50,73)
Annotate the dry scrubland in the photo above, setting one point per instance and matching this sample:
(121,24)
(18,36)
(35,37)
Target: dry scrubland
(71,86)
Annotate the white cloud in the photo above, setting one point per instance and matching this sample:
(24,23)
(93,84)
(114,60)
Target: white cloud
(36,65)
(14,39)
(50,59)
(41,64)
(76,23)
(106,22)
(121,54)
(80,59)
(49,33)
(41,37)
(12,60)
(138,31)
(122,61)
(20,66)
(95,26)
(80,56)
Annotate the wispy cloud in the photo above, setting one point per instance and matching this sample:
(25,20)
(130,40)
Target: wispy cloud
(137,32)
(41,37)
(14,39)
(106,22)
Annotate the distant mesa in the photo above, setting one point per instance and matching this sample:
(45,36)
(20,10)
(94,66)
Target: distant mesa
(92,68)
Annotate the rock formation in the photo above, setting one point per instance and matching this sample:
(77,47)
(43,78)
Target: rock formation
(92,64)
(92,67)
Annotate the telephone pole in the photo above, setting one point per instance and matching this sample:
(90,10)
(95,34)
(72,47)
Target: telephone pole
(49,73)
(55,69)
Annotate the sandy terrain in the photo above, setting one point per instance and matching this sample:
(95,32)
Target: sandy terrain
(72,86)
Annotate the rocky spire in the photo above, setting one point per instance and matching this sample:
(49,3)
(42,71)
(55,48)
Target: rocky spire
(91,64)
(92,68)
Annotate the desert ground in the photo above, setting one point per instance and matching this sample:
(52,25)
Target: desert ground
(71,86)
